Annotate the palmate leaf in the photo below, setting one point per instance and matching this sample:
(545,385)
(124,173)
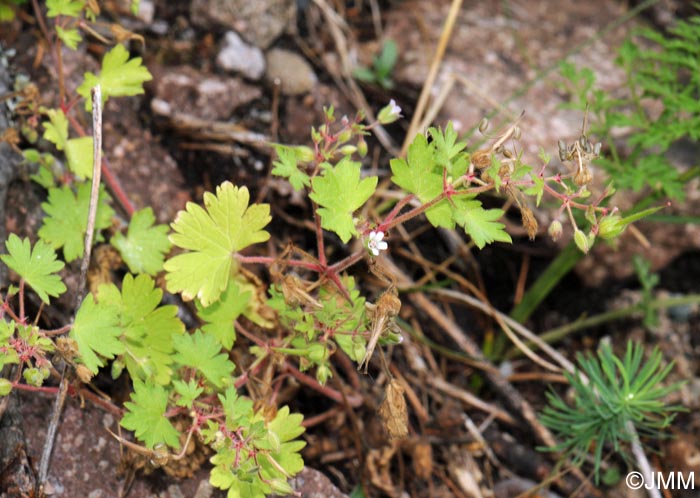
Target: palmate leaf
(96,330)
(144,247)
(120,77)
(56,129)
(340,192)
(418,174)
(221,314)
(287,166)
(66,221)
(147,328)
(213,234)
(203,352)
(146,416)
(37,267)
(69,8)
(480,224)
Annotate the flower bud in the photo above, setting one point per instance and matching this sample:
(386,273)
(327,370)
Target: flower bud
(362,147)
(347,150)
(304,153)
(323,373)
(581,241)
(611,226)
(555,230)
(344,136)
(5,387)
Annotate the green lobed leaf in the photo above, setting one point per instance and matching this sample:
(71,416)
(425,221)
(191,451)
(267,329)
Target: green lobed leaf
(80,156)
(70,37)
(70,8)
(213,234)
(66,223)
(145,245)
(480,224)
(147,328)
(96,331)
(287,166)
(120,77)
(146,416)
(221,314)
(418,175)
(188,391)
(56,129)
(203,353)
(339,192)
(37,267)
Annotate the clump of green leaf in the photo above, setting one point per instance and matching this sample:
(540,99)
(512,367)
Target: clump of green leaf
(667,73)
(610,394)
(648,280)
(382,67)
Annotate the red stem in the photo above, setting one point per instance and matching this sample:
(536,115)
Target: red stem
(354,400)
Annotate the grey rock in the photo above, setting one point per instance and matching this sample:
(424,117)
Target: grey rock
(239,57)
(294,74)
(259,22)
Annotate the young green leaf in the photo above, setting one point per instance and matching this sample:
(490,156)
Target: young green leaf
(287,166)
(70,8)
(213,235)
(96,330)
(448,149)
(120,77)
(80,156)
(66,223)
(418,175)
(147,329)
(37,267)
(188,391)
(70,37)
(146,416)
(56,129)
(203,353)
(340,192)
(480,224)
(145,246)
(221,314)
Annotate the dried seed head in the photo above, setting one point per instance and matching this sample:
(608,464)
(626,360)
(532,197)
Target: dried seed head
(481,159)
(562,150)
(529,222)
(508,153)
(583,176)
(389,303)
(84,373)
(483,125)
(393,411)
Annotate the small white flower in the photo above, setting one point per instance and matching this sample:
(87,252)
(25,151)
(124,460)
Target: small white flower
(394,109)
(375,242)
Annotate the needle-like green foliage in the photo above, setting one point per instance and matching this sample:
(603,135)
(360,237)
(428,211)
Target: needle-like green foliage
(37,267)
(619,392)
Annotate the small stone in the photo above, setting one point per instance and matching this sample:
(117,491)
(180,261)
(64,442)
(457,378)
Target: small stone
(98,493)
(294,74)
(174,491)
(204,490)
(260,22)
(239,57)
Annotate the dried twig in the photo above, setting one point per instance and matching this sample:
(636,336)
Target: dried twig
(92,215)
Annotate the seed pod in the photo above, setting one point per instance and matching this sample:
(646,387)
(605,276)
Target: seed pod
(581,241)
(596,149)
(84,373)
(483,125)
(393,411)
(555,230)
(508,153)
(562,150)
(583,176)
(389,303)
(517,133)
